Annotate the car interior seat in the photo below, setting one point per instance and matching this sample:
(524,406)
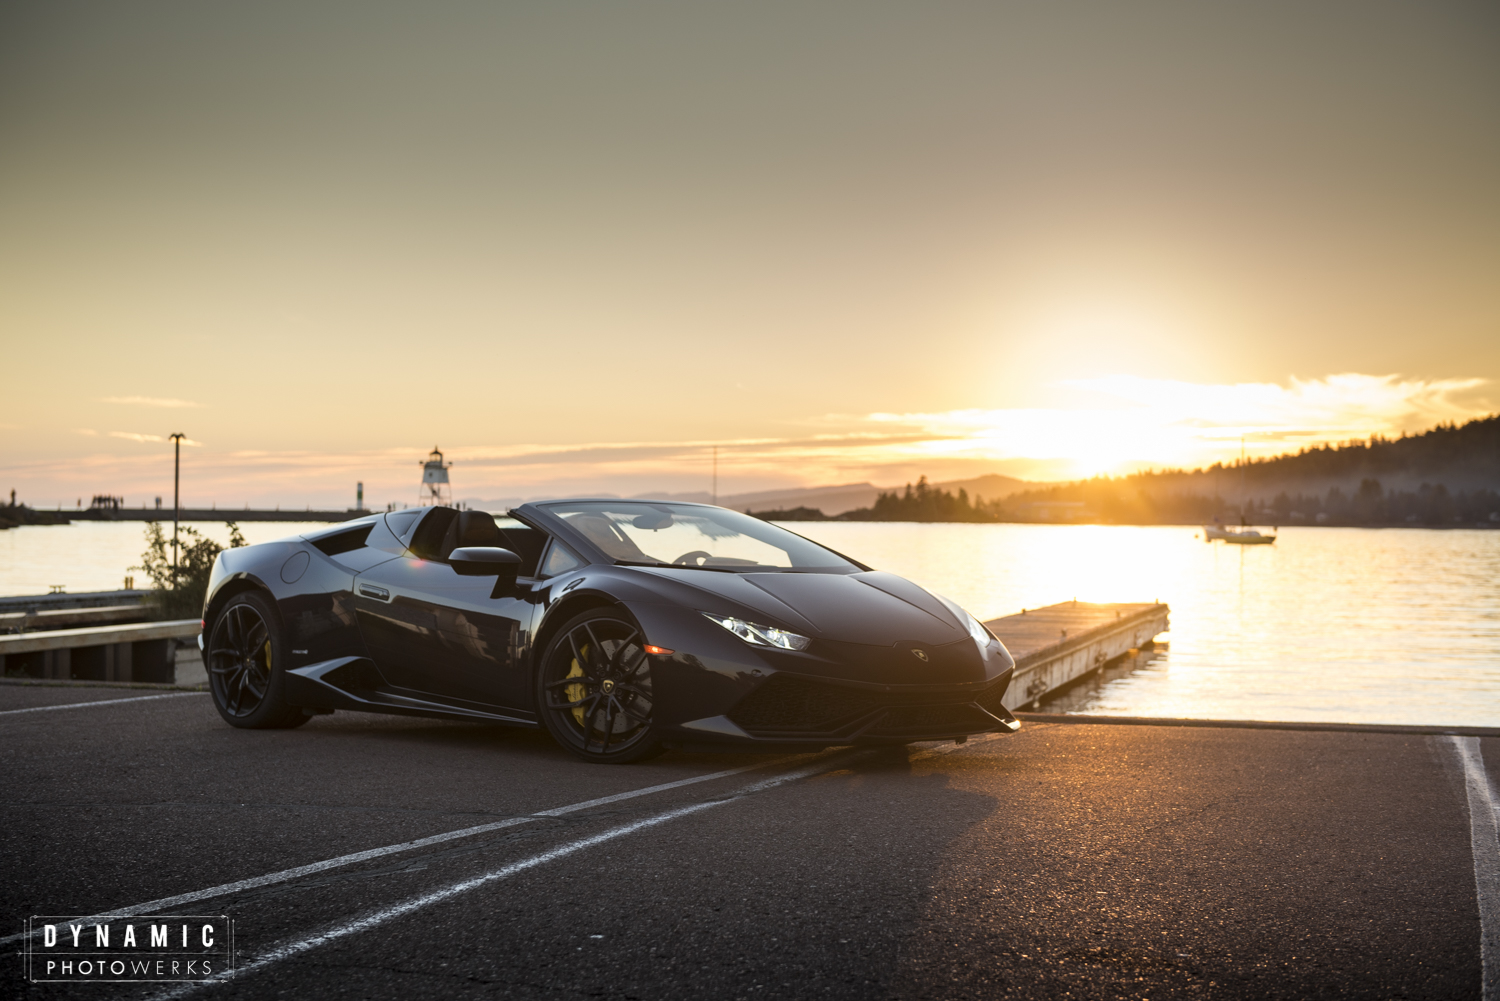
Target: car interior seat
(478,528)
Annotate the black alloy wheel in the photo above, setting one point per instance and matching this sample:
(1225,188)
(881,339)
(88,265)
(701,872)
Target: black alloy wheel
(245,654)
(594,689)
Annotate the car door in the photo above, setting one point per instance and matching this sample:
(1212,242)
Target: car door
(433,632)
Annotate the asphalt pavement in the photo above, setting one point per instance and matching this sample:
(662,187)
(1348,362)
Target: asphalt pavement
(1065,861)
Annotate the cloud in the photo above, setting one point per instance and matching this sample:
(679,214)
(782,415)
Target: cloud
(1154,422)
(1346,405)
(137,436)
(1127,423)
(150,401)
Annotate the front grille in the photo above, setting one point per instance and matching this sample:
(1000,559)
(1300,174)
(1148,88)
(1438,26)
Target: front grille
(905,721)
(787,706)
(989,699)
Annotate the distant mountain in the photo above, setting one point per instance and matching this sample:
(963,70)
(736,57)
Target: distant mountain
(989,488)
(836,500)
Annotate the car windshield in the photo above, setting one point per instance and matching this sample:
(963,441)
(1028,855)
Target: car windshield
(692,535)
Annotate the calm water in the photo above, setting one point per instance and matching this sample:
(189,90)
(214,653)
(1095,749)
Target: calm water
(1340,624)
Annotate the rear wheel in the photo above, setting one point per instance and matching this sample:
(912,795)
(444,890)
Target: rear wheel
(594,689)
(245,666)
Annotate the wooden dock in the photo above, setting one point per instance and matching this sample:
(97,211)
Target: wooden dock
(1056,645)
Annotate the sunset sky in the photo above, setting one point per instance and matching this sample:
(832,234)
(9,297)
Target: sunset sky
(579,245)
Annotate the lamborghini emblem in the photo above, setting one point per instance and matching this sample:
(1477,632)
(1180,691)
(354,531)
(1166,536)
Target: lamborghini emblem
(920,655)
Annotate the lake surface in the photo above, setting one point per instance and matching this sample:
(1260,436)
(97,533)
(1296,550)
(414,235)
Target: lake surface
(1335,624)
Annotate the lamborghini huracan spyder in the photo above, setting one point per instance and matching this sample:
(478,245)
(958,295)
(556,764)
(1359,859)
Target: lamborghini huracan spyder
(623,627)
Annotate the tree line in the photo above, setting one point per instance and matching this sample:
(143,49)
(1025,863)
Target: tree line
(1282,490)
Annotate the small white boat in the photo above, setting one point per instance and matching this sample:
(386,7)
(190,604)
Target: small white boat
(1244,536)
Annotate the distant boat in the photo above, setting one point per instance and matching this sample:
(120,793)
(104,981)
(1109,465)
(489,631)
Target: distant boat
(1239,537)
(1245,536)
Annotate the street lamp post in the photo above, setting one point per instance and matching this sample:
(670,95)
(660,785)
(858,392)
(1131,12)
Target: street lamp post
(176,497)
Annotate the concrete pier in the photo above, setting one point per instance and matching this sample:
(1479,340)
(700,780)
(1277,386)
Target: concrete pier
(207,514)
(1059,644)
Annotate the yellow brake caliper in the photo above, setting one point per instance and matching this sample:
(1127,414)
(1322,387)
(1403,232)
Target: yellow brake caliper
(575,693)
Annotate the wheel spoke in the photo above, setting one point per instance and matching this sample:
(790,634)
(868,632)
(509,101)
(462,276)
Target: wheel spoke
(619,655)
(581,679)
(642,720)
(609,724)
(578,657)
(588,722)
(600,661)
(640,662)
(242,629)
(256,684)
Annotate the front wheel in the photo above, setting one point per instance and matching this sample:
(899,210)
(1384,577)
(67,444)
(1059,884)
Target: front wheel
(594,689)
(245,658)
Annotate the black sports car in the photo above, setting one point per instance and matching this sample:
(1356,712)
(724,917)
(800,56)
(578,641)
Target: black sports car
(623,627)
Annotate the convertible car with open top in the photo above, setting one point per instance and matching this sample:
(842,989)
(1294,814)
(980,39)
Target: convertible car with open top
(623,627)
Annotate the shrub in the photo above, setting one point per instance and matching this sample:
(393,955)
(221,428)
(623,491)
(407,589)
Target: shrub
(183,597)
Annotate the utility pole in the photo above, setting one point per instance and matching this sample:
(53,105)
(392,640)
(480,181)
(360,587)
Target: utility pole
(176,497)
(716,475)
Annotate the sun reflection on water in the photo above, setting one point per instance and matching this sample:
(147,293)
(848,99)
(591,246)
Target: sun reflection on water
(1353,625)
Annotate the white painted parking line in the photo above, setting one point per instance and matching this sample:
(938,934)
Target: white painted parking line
(1483,825)
(102,702)
(164,903)
(296,946)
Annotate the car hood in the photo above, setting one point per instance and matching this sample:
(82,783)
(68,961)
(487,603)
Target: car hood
(874,607)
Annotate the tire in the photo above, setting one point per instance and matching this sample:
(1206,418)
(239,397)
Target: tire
(593,689)
(245,655)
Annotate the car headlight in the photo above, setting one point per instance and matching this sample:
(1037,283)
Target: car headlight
(758,635)
(981,635)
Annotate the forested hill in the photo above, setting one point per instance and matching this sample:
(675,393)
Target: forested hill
(1449,475)
(1462,457)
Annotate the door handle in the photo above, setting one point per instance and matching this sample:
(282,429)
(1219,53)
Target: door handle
(371,591)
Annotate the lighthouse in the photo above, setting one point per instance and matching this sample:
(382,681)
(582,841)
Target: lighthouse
(435,489)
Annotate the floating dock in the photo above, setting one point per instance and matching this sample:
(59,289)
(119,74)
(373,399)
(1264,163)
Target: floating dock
(1056,645)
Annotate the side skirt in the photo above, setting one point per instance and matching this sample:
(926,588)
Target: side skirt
(354,684)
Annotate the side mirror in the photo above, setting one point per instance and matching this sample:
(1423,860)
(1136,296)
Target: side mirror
(487,561)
